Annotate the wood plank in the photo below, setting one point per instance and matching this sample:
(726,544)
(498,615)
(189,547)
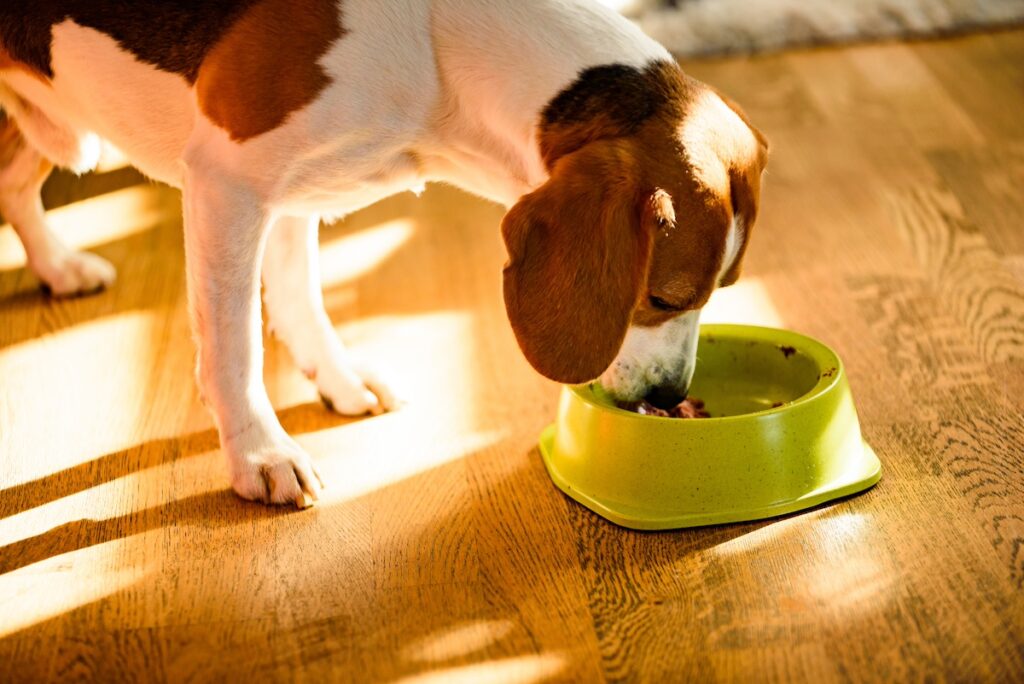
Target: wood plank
(976,72)
(987,182)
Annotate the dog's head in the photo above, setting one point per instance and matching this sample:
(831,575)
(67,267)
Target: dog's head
(652,196)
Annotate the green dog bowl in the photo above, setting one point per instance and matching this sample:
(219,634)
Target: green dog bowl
(783,436)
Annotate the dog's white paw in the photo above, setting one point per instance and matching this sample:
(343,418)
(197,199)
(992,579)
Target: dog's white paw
(354,389)
(279,472)
(75,273)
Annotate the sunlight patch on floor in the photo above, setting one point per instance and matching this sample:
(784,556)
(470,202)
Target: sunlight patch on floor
(380,455)
(848,573)
(431,359)
(349,257)
(90,390)
(746,302)
(837,532)
(151,475)
(457,642)
(840,568)
(96,220)
(763,536)
(834,532)
(858,584)
(520,669)
(71,581)
(428,358)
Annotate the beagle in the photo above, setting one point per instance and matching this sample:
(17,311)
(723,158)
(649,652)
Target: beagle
(632,188)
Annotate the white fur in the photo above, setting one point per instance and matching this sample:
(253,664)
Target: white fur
(295,313)
(421,90)
(653,357)
(716,139)
(733,242)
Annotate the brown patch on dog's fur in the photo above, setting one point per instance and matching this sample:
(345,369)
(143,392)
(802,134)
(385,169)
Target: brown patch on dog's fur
(253,61)
(172,36)
(248,84)
(607,101)
(623,217)
(7,63)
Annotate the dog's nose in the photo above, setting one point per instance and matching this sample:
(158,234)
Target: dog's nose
(666,397)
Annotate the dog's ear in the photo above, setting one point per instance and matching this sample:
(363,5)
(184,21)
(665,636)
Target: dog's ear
(578,257)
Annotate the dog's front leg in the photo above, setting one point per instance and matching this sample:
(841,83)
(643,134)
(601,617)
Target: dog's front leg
(295,312)
(225,231)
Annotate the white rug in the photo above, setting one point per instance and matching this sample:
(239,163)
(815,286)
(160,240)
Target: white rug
(711,27)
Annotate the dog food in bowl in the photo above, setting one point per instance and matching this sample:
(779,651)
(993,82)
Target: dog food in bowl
(691,407)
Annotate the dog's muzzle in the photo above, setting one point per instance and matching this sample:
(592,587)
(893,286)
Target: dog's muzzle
(656,364)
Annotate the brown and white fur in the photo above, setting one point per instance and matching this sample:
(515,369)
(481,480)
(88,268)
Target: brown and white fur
(632,187)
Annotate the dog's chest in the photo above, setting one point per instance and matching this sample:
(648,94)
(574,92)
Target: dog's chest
(347,180)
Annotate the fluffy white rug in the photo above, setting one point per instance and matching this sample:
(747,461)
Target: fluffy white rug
(709,27)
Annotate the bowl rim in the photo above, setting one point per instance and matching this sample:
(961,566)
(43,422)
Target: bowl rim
(823,355)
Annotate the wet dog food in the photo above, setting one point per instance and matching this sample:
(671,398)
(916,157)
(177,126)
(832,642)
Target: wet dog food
(691,407)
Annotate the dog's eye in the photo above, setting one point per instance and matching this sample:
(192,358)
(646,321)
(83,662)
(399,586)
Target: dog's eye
(660,304)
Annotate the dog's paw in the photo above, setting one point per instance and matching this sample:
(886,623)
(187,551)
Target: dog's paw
(76,273)
(277,473)
(355,390)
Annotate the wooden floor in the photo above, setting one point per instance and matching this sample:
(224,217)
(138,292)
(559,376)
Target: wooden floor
(892,228)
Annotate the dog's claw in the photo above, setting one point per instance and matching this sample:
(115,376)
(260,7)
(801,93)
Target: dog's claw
(276,473)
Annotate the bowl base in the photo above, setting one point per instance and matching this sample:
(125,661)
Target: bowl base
(861,479)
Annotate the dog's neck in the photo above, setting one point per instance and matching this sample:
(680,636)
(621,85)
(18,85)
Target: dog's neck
(494,85)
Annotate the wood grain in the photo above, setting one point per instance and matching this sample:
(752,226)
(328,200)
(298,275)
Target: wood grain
(891,229)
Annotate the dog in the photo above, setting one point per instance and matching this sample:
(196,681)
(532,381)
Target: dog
(631,188)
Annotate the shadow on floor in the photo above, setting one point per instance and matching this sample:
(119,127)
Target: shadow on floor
(81,534)
(66,187)
(30,313)
(151,274)
(305,418)
(335,619)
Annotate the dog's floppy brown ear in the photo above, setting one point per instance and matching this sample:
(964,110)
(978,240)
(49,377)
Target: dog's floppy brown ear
(578,257)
